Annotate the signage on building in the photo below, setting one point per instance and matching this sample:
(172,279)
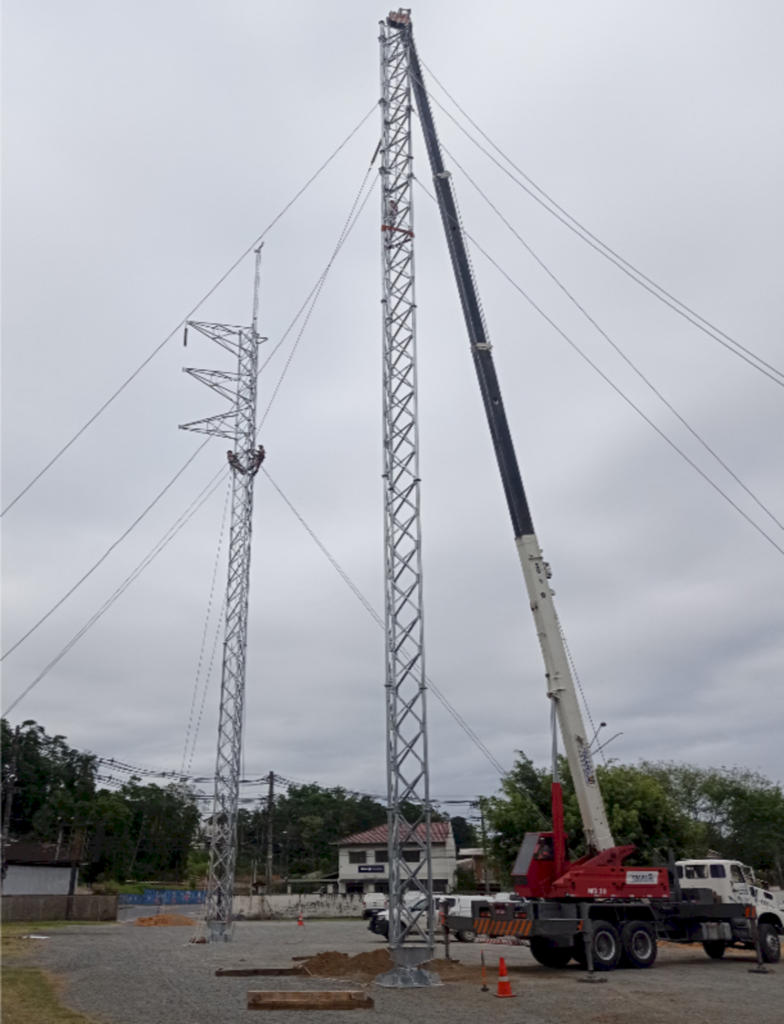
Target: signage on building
(371,869)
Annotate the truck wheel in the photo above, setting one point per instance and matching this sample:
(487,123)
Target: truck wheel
(769,943)
(606,946)
(715,948)
(465,936)
(639,944)
(548,955)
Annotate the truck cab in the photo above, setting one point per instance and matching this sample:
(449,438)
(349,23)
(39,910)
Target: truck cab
(730,881)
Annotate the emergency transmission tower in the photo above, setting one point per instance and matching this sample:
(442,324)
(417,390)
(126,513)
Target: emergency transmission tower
(238,425)
(408,787)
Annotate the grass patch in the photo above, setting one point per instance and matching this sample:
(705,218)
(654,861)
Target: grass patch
(12,932)
(30,996)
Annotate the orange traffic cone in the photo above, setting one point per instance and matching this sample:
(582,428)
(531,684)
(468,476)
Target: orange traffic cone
(300,922)
(504,988)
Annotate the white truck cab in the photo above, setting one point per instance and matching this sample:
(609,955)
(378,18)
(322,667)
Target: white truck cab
(730,881)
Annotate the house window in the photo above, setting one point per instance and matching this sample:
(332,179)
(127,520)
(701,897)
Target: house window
(412,856)
(357,857)
(382,856)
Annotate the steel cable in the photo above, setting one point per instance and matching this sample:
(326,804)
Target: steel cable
(613,385)
(187,317)
(605,250)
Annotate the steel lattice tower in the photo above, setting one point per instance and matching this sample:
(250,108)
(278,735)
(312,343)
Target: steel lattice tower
(407,765)
(238,424)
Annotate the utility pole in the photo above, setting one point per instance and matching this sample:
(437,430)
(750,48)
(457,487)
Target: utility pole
(484,843)
(411,935)
(238,425)
(270,805)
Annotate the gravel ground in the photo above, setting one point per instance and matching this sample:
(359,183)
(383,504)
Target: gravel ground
(124,974)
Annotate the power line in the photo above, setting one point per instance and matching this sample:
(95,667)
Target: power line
(606,251)
(188,316)
(206,627)
(615,346)
(380,622)
(309,302)
(613,385)
(106,553)
(170,534)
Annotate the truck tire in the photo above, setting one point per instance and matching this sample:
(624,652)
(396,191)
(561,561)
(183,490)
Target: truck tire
(638,943)
(607,947)
(715,948)
(770,944)
(548,955)
(465,935)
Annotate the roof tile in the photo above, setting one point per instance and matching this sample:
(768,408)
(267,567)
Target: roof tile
(439,833)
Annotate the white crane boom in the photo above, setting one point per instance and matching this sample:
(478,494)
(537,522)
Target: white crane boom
(560,685)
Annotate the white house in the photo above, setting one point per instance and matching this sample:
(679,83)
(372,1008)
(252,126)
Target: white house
(363,862)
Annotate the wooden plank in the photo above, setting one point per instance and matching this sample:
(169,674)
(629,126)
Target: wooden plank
(351,1000)
(266,972)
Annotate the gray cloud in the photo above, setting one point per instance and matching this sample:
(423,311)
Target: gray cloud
(146,148)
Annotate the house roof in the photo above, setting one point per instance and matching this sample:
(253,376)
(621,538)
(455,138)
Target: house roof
(439,833)
(32,853)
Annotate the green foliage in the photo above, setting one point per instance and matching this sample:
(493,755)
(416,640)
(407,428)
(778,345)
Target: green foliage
(54,783)
(740,813)
(464,832)
(140,830)
(655,806)
(307,823)
(524,806)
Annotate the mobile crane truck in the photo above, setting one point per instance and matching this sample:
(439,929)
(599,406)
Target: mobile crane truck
(562,903)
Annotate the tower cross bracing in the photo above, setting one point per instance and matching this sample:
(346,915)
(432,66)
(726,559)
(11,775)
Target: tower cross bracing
(408,803)
(238,424)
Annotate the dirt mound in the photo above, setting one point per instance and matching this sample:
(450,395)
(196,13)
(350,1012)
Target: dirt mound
(341,965)
(365,966)
(165,920)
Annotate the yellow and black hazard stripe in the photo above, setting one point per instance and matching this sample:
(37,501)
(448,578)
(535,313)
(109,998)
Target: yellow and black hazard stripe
(487,926)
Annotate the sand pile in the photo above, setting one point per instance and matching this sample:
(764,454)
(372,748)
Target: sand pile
(165,920)
(365,966)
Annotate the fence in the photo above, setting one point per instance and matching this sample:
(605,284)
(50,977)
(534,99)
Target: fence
(59,908)
(163,897)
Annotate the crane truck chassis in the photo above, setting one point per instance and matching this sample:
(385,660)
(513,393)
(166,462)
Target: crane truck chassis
(720,905)
(625,932)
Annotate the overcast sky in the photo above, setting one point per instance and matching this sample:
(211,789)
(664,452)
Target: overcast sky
(147,144)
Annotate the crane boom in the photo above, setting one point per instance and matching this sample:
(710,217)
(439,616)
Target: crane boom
(560,684)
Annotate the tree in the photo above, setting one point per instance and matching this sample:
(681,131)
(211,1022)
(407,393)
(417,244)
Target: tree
(641,810)
(464,832)
(147,830)
(54,783)
(738,813)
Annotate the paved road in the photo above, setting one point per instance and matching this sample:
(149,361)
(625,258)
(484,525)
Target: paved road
(123,974)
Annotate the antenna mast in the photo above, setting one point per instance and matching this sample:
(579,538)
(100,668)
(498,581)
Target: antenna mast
(238,425)
(408,787)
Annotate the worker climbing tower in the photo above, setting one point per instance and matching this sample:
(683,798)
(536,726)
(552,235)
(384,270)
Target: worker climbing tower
(410,868)
(238,425)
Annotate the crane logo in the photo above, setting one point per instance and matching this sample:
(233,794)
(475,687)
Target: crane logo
(585,763)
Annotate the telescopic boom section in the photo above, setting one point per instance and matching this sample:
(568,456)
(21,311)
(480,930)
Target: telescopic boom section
(560,685)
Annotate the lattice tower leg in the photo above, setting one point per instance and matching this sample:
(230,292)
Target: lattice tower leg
(411,932)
